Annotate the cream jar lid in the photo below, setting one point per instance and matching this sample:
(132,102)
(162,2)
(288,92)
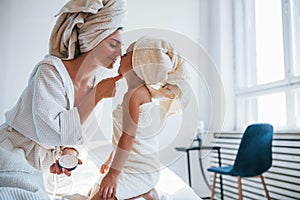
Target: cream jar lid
(68,161)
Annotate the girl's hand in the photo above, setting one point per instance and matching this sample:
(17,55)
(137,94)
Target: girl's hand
(104,168)
(108,186)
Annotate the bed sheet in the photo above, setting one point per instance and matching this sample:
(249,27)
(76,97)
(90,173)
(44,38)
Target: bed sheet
(171,186)
(175,188)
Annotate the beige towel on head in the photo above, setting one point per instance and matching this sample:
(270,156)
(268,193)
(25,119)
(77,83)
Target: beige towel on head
(164,71)
(83,24)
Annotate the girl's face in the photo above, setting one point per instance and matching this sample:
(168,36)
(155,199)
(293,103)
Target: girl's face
(126,60)
(108,50)
(125,63)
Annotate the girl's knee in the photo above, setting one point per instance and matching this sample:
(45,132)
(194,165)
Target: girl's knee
(151,195)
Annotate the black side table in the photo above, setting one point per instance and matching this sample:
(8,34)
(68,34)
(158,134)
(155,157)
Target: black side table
(199,147)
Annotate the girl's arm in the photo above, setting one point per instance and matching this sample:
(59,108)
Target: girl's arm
(131,104)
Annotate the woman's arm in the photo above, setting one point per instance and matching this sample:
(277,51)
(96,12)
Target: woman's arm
(57,123)
(104,89)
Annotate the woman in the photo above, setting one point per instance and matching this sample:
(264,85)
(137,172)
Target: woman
(153,71)
(62,91)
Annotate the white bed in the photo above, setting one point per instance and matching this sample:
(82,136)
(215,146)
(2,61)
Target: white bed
(97,143)
(171,185)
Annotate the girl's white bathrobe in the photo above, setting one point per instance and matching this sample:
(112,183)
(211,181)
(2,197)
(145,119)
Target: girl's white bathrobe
(141,171)
(44,117)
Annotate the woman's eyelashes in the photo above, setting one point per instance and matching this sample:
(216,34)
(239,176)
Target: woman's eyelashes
(113,45)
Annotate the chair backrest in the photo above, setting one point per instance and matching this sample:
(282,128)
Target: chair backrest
(254,155)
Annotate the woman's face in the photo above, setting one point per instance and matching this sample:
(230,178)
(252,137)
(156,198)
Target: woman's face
(109,49)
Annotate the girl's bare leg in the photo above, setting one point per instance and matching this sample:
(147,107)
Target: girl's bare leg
(151,195)
(97,197)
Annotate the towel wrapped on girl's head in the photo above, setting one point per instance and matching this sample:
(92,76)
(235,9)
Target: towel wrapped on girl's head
(164,71)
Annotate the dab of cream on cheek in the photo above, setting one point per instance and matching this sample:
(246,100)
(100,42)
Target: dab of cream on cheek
(68,162)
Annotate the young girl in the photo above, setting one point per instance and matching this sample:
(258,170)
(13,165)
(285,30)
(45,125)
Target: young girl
(133,166)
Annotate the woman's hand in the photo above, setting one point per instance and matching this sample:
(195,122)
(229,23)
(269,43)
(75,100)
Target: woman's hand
(55,169)
(106,88)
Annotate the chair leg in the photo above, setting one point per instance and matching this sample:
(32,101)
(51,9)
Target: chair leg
(240,187)
(213,187)
(265,187)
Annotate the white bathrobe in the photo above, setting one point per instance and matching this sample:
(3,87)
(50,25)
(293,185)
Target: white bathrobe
(44,117)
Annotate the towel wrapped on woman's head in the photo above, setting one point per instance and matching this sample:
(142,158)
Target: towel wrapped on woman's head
(83,24)
(164,71)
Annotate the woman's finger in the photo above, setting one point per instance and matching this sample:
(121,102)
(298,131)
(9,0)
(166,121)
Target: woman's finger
(57,169)
(66,172)
(114,93)
(116,78)
(52,168)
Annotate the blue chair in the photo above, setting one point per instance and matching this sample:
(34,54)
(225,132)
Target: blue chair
(254,157)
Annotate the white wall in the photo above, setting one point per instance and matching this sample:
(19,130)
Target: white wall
(182,17)
(216,35)
(26,27)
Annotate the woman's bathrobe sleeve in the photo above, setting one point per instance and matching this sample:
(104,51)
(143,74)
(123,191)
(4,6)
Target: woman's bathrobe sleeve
(45,112)
(56,121)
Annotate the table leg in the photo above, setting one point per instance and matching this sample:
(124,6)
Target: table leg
(189,171)
(221,179)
